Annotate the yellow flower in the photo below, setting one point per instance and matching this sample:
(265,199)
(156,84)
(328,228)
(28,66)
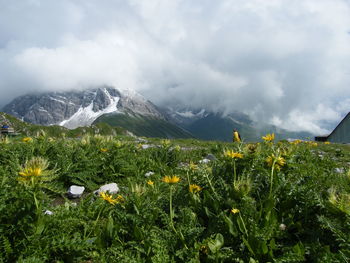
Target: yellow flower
(296,142)
(120,199)
(195,188)
(177,148)
(236,137)
(171,180)
(27,139)
(108,198)
(327,142)
(192,166)
(313,144)
(232,154)
(34,168)
(278,160)
(234,211)
(118,143)
(149,182)
(104,150)
(269,137)
(165,143)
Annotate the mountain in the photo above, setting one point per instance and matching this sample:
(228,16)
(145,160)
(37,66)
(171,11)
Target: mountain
(207,125)
(82,108)
(77,108)
(148,126)
(134,113)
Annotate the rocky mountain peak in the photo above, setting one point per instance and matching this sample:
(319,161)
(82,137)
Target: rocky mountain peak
(78,108)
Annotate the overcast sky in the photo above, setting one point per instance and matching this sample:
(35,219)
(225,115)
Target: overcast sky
(286,62)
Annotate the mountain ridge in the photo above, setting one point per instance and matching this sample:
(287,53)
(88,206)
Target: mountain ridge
(133,112)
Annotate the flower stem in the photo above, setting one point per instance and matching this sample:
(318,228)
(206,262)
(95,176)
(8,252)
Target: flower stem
(171,212)
(271,176)
(245,228)
(188,179)
(211,186)
(234,172)
(171,215)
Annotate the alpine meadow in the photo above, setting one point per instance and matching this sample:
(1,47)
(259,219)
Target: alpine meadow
(176,200)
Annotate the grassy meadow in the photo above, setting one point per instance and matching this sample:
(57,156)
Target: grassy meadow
(263,202)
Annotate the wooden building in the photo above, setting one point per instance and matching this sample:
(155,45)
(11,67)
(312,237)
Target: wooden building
(341,133)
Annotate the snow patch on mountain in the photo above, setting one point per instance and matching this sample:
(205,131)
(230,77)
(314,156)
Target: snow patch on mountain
(191,114)
(85,116)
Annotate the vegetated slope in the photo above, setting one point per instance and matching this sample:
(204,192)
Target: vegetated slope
(28,129)
(207,125)
(216,127)
(144,125)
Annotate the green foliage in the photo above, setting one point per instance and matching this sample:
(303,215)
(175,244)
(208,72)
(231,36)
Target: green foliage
(280,202)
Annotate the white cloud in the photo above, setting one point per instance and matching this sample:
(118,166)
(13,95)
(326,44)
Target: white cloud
(279,60)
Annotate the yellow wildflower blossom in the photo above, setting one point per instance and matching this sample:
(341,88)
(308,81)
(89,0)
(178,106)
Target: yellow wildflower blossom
(327,142)
(120,199)
(277,160)
(234,210)
(195,188)
(171,179)
(165,143)
(232,154)
(236,136)
(108,198)
(296,142)
(192,166)
(34,168)
(269,137)
(149,182)
(27,139)
(104,150)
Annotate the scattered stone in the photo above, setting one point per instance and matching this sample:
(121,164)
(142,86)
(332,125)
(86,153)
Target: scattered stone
(75,191)
(204,161)
(211,157)
(148,174)
(189,148)
(48,212)
(112,188)
(282,227)
(182,165)
(339,170)
(141,140)
(146,146)
(129,133)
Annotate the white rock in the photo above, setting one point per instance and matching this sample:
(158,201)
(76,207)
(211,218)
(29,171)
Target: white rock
(148,174)
(146,146)
(210,157)
(112,188)
(75,191)
(339,170)
(48,212)
(141,140)
(205,161)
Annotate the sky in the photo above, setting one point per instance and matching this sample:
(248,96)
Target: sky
(284,62)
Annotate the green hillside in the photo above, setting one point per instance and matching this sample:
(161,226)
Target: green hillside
(215,127)
(144,126)
(28,129)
